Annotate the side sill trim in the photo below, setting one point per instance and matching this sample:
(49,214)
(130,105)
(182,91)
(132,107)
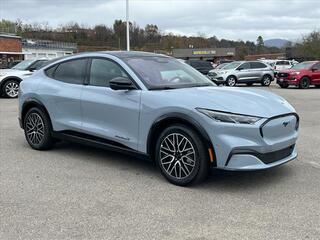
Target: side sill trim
(99,143)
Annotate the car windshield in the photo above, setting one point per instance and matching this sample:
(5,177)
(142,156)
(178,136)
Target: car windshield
(303,65)
(232,65)
(166,73)
(23,65)
(222,65)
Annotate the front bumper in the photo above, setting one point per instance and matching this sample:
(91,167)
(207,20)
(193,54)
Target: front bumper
(217,79)
(288,81)
(248,160)
(254,147)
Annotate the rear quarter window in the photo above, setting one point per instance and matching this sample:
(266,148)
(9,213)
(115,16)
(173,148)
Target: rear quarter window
(72,71)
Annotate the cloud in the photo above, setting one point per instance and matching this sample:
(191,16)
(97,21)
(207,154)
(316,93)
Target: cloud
(231,19)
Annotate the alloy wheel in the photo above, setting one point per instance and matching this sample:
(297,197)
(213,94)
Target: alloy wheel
(34,128)
(231,81)
(177,156)
(305,83)
(266,81)
(12,89)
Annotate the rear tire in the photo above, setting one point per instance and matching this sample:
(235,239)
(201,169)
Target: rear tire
(37,129)
(304,83)
(181,155)
(266,80)
(11,89)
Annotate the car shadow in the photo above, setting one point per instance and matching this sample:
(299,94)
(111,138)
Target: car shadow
(246,180)
(218,180)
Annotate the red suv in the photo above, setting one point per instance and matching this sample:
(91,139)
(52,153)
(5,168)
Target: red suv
(302,75)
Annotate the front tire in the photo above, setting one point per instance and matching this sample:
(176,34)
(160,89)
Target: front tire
(181,155)
(231,81)
(11,89)
(304,83)
(37,129)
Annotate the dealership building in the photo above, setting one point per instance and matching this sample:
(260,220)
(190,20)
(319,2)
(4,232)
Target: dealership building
(47,49)
(13,48)
(10,49)
(207,54)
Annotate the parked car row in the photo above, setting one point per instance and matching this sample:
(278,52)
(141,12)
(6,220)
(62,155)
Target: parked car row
(248,72)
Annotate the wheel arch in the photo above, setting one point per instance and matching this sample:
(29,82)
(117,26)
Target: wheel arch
(267,74)
(31,103)
(305,76)
(232,75)
(177,118)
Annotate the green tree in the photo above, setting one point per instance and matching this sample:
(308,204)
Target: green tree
(260,45)
(310,46)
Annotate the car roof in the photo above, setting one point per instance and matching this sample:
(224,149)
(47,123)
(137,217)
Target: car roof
(132,54)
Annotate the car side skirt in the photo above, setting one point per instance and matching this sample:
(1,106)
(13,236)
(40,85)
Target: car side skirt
(98,142)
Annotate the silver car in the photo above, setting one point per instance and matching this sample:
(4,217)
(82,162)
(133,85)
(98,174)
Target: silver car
(156,107)
(243,72)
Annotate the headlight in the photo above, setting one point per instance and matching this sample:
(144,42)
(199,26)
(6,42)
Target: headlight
(296,73)
(223,72)
(229,117)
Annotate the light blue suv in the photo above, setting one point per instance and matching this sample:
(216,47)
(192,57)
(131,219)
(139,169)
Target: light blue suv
(155,106)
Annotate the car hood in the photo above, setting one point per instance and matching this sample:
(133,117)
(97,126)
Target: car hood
(15,72)
(292,71)
(245,101)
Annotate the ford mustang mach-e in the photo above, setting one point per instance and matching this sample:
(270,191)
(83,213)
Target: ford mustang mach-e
(157,107)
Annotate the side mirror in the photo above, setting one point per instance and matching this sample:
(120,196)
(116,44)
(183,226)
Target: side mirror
(314,69)
(32,69)
(240,68)
(121,83)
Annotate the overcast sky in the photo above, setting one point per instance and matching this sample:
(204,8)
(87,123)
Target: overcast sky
(230,19)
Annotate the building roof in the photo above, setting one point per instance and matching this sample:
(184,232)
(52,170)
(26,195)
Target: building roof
(12,53)
(7,35)
(132,54)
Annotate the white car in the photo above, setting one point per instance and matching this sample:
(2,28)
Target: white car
(10,78)
(280,65)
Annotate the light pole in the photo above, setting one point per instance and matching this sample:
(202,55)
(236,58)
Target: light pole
(128,25)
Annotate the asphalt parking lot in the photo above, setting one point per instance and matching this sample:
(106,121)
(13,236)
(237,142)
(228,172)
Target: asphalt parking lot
(79,192)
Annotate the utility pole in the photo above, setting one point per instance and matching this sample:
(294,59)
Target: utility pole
(128,25)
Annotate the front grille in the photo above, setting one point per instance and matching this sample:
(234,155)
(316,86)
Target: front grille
(272,157)
(283,75)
